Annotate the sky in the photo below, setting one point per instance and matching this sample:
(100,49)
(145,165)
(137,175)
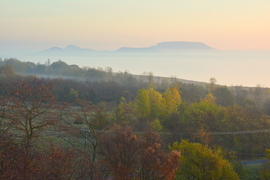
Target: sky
(111,24)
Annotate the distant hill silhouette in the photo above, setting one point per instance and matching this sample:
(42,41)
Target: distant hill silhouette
(175,46)
(73,48)
(168,46)
(52,51)
(182,45)
(70,50)
(129,49)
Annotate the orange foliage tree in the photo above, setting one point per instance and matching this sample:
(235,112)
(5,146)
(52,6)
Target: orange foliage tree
(127,156)
(24,160)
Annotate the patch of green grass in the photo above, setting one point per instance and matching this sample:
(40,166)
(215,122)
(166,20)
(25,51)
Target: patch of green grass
(251,172)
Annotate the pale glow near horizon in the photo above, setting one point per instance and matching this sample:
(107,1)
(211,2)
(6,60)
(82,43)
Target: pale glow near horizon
(109,25)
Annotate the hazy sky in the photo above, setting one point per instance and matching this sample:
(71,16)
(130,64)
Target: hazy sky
(110,24)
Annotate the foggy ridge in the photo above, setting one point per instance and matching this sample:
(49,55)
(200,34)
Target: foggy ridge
(175,46)
(182,45)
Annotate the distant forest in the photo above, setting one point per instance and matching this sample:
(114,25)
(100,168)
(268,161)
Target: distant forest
(97,84)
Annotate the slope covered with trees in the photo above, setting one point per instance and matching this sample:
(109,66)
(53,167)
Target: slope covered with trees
(120,127)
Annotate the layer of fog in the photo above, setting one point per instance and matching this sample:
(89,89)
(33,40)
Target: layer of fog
(247,68)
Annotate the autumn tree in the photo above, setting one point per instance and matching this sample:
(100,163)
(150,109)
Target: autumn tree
(201,163)
(15,160)
(57,163)
(26,161)
(28,106)
(156,103)
(127,156)
(203,137)
(31,106)
(204,114)
(142,106)
(148,107)
(172,100)
(124,113)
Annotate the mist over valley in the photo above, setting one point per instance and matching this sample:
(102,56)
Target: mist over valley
(185,60)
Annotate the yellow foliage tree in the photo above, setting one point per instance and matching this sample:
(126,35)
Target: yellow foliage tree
(172,100)
(142,106)
(151,104)
(201,163)
(156,102)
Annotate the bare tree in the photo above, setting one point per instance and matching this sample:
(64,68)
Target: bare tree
(31,106)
